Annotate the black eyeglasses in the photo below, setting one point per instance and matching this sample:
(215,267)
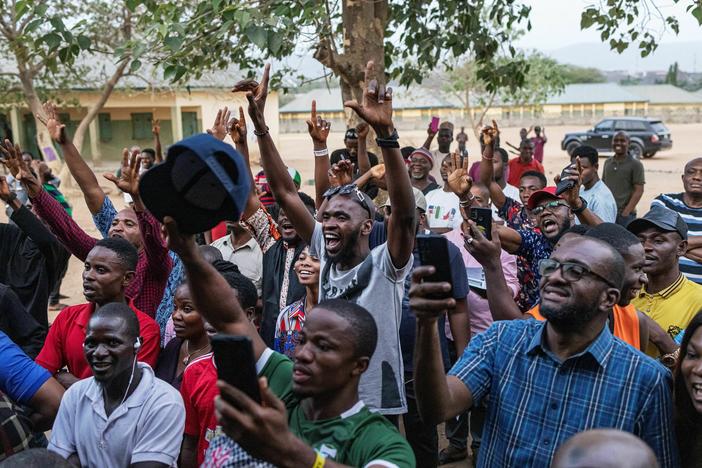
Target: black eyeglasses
(549,206)
(572,272)
(351,189)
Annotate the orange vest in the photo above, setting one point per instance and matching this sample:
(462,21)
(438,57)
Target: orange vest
(626,323)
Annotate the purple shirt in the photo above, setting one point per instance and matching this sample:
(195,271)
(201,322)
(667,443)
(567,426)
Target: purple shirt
(538,143)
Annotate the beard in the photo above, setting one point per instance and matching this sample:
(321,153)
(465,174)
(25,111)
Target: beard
(346,254)
(572,317)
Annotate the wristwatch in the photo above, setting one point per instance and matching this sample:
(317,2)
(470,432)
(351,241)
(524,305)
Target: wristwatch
(390,141)
(582,208)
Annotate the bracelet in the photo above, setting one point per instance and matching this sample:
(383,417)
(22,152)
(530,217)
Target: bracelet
(577,211)
(466,203)
(389,142)
(669,360)
(319,460)
(321,153)
(260,134)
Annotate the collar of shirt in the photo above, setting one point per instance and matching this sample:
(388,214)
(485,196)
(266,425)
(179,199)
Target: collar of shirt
(137,398)
(598,349)
(87,311)
(666,292)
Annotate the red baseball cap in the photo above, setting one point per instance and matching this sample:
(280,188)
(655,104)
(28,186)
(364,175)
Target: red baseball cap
(538,197)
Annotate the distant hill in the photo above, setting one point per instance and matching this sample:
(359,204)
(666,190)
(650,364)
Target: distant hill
(598,55)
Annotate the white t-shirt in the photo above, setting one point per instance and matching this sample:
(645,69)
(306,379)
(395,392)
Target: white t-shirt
(148,426)
(378,286)
(600,201)
(436,170)
(443,209)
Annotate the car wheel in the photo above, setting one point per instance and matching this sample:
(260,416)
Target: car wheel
(570,147)
(649,155)
(635,150)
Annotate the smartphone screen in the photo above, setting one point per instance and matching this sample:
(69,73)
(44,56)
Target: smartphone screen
(236,364)
(433,250)
(483,220)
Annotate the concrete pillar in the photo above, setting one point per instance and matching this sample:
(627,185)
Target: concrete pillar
(176,123)
(94,129)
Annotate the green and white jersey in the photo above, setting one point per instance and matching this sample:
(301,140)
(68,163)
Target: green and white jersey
(357,437)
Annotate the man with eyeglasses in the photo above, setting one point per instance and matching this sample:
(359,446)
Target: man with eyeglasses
(350,269)
(546,381)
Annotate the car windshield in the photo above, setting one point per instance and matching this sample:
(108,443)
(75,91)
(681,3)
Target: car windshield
(658,127)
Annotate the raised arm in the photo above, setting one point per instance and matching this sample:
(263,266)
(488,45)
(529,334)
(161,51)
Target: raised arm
(159,263)
(279,179)
(68,232)
(439,397)
(572,196)
(210,291)
(430,137)
(376,109)
(318,129)
(81,172)
(156,131)
(364,163)
(488,254)
(487,170)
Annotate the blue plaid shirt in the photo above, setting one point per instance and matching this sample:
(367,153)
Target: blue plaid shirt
(103,221)
(535,402)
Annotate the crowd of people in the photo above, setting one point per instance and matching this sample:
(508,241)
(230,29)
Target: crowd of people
(565,332)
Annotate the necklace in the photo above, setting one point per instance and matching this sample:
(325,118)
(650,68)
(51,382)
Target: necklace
(189,356)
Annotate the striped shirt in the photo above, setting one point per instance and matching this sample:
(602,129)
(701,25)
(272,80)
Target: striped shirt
(536,402)
(693,218)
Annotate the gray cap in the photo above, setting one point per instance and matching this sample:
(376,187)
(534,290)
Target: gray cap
(661,218)
(419,200)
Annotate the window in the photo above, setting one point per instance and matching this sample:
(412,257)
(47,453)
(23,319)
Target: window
(631,125)
(604,126)
(189,121)
(599,109)
(659,127)
(141,125)
(105,127)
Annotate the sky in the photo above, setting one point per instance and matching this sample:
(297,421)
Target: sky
(556,24)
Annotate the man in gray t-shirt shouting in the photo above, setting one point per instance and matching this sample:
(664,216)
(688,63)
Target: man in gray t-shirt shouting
(350,269)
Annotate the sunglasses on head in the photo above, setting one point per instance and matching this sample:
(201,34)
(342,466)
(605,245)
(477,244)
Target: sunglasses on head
(350,189)
(550,206)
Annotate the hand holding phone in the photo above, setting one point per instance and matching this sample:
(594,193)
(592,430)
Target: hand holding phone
(433,250)
(565,184)
(434,125)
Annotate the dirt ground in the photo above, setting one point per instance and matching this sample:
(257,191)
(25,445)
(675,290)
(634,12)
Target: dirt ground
(662,175)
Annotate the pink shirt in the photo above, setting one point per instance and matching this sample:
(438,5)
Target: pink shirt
(480,315)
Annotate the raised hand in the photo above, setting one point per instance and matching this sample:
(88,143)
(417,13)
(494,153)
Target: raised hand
(575,173)
(317,127)
(11,157)
(237,128)
(342,172)
(182,244)
(376,108)
(256,94)
(423,295)
(5,192)
(362,130)
(219,127)
(156,127)
(50,119)
(458,180)
(128,181)
(489,134)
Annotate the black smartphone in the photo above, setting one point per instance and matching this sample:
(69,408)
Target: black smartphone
(433,250)
(567,184)
(482,217)
(236,364)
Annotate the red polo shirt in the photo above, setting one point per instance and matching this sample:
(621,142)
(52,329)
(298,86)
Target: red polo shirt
(517,168)
(64,343)
(199,389)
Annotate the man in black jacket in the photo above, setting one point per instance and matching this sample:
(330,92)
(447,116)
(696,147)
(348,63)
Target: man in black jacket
(18,325)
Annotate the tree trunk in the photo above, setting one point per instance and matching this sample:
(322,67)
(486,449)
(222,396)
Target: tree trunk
(35,107)
(79,136)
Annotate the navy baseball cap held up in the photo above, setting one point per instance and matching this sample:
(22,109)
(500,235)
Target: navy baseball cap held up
(202,182)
